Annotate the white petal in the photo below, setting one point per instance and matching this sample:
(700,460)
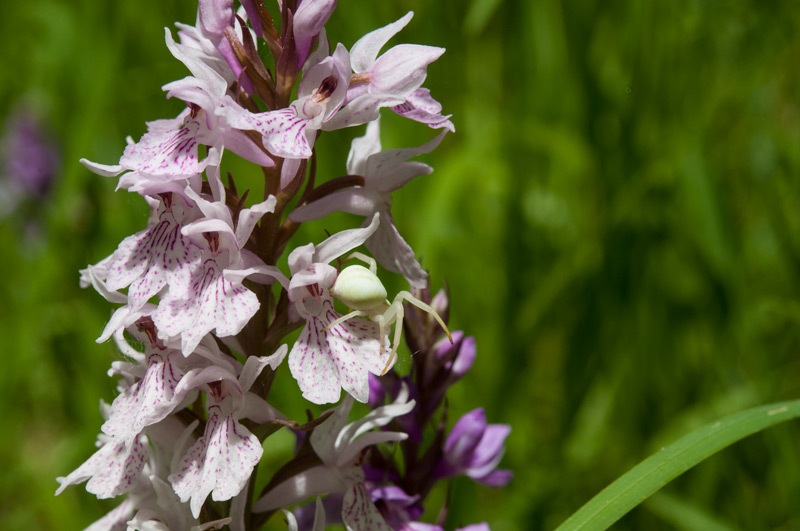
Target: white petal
(219,463)
(345,241)
(111,471)
(363,147)
(365,50)
(359,513)
(148,400)
(323,361)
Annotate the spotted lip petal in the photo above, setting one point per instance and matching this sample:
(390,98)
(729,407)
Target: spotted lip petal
(323,361)
(111,471)
(213,303)
(219,463)
(149,400)
(156,257)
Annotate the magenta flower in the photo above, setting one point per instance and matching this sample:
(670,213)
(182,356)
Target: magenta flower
(474,448)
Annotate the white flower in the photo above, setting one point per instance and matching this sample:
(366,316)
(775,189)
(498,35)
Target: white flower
(340,448)
(383,172)
(221,461)
(325,359)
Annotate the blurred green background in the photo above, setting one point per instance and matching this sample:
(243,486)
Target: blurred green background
(616,219)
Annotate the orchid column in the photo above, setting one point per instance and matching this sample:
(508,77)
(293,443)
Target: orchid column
(203,312)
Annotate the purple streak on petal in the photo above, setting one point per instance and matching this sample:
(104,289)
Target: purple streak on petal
(147,401)
(359,513)
(170,154)
(421,107)
(111,471)
(219,463)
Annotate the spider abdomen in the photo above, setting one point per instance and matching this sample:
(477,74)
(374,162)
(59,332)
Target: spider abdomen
(359,288)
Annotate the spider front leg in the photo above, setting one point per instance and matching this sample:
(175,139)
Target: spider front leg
(343,318)
(395,313)
(405,295)
(373,265)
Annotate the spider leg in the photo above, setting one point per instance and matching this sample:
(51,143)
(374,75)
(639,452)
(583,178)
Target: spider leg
(394,313)
(340,320)
(405,295)
(373,265)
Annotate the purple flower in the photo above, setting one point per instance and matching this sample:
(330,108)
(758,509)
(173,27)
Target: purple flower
(31,159)
(444,366)
(309,19)
(474,448)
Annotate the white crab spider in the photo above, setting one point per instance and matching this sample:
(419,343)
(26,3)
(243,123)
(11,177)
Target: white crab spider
(362,291)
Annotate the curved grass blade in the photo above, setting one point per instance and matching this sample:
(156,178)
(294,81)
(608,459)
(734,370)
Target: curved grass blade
(628,491)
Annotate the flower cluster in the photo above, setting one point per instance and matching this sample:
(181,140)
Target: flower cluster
(203,312)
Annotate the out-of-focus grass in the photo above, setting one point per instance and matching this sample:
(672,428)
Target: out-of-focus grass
(616,219)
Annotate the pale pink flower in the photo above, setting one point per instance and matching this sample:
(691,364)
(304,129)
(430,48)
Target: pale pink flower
(326,359)
(392,79)
(157,257)
(291,132)
(383,172)
(213,297)
(168,152)
(112,470)
(221,461)
(340,447)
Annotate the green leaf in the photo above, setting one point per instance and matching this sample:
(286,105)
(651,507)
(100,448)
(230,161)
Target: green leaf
(650,475)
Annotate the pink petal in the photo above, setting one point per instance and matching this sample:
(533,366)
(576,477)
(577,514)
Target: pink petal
(212,302)
(170,154)
(359,513)
(219,463)
(283,131)
(325,361)
(111,471)
(403,68)
(365,50)
(421,107)
(154,258)
(148,400)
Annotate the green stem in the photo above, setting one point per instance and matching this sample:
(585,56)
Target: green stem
(616,500)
